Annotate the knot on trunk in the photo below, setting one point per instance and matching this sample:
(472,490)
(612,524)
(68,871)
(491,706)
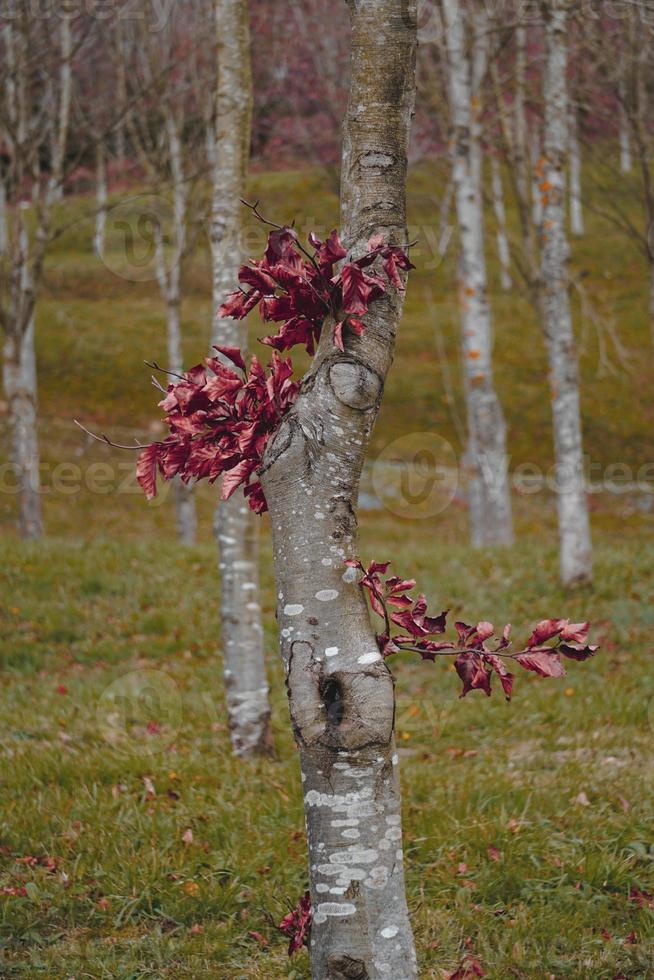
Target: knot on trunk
(342,710)
(344,967)
(355,385)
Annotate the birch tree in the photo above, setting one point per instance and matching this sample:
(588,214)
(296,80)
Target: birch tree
(235,526)
(167,137)
(33,49)
(554,301)
(490,504)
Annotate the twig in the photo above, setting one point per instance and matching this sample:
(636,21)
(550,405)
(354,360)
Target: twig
(106,440)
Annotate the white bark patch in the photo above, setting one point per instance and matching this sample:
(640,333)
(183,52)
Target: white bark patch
(355,856)
(336,908)
(331,651)
(292,609)
(369,658)
(326,595)
(389,932)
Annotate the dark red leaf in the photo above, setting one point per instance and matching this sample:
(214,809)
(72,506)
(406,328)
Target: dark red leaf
(541,662)
(146,470)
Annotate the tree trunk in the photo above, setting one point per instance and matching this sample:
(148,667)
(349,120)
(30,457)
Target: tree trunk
(576,211)
(574,532)
(3,217)
(19,377)
(339,689)
(100,200)
(489,497)
(536,179)
(623,123)
(235,526)
(651,298)
(500,217)
(185,516)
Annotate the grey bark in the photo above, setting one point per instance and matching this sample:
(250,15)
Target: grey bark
(19,379)
(235,526)
(100,200)
(623,124)
(340,691)
(574,531)
(503,252)
(3,216)
(489,496)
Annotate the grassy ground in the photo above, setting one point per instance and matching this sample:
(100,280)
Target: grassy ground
(528,826)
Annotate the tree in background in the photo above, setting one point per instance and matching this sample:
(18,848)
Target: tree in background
(36,81)
(542,261)
(489,495)
(165,71)
(235,526)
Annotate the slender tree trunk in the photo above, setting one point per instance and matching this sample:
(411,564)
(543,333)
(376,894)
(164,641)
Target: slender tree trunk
(490,503)
(3,217)
(100,200)
(60,138)
(184,499)
(503,252)
(574,531)
(237,534)
(623,134)
(339,689)
(651,298)
(536,180)
(521,153)
(576,211)
(19,377)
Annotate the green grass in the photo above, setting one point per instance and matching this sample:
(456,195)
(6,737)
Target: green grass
(107,627)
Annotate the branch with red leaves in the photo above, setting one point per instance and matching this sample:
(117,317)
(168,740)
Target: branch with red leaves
(220,419)
(299,289)
(476,661)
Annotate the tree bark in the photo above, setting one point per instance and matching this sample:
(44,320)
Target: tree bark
(554,301)
(503,252)
(489,496)
(339,689)
(100,199)
(19,378)
(623,123)
(3,216)
(576,210)
(235,527)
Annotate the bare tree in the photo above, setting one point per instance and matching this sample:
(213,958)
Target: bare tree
(168,137)
(541,258)
(490,502)
(339,688)
(33,49)
(235,525)
(554,301)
